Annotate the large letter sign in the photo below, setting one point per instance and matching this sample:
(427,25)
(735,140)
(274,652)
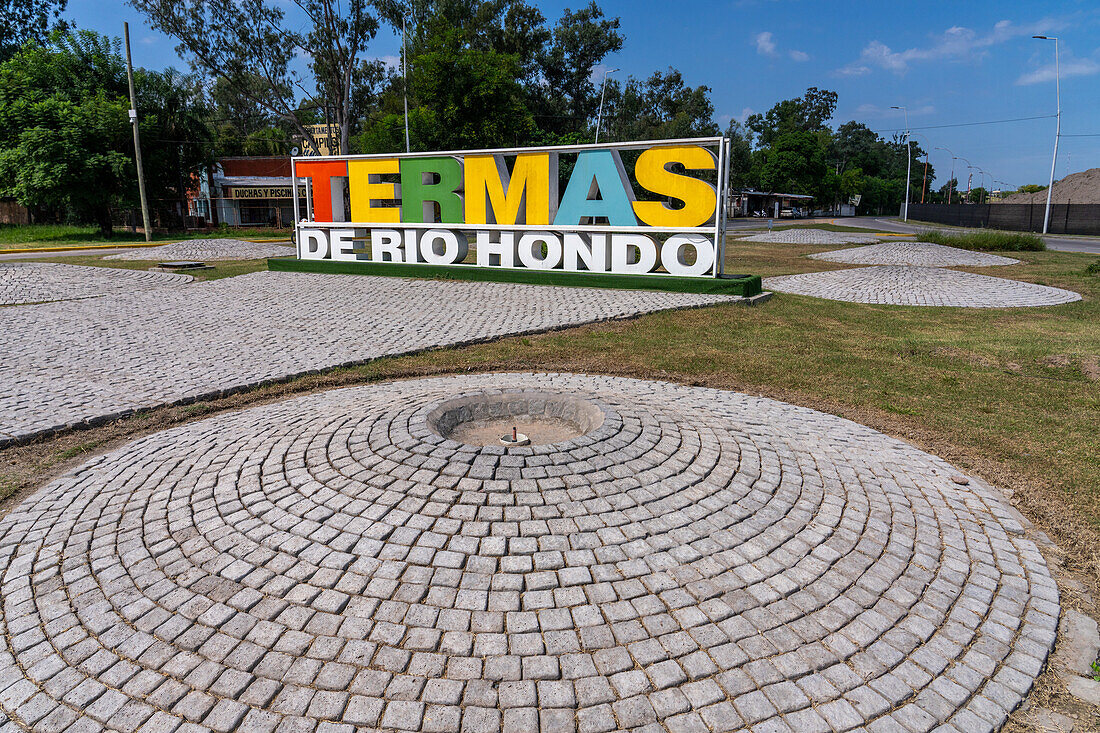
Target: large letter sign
(630,208)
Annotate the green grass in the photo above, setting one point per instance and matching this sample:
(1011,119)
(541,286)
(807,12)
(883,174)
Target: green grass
(1093,268)
(1010,393)
(220,269)
(34,236)
(986,240)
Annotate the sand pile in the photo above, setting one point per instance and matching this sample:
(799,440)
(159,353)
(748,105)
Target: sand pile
(1076,188)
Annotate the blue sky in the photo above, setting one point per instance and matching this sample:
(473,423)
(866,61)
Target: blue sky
(949,62)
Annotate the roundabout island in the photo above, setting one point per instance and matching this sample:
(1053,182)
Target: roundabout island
(674,558)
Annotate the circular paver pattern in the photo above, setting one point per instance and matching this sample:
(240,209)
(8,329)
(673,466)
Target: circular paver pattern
(701,560)
(924,254)
(906,285)
(40,282)
(811,236)
(203,250)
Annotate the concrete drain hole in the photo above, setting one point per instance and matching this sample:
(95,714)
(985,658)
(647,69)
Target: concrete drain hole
(543,417)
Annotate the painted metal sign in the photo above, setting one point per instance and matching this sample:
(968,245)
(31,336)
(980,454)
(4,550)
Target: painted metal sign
(634,208)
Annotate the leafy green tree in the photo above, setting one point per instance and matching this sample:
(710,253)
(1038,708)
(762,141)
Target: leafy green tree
(250,44)
(581,40)
(65,135)
(661,107)
(28,20)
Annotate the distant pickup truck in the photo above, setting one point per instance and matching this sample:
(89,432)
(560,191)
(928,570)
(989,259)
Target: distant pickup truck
(792,213)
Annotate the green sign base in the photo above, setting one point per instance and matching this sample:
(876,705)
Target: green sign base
(742,285)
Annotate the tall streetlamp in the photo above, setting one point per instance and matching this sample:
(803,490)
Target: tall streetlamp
(603,90)
(969,175)
(405,78)
(908,161)
(951,180)
(1057,128)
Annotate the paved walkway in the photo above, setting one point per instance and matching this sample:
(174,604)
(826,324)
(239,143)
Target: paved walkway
(701,560)
(812,236)
(907,285)
(40,282)
(69,363)
(204,250)
(924,254)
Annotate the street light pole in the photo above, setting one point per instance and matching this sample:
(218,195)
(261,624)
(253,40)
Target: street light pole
(908,161)
(137,138)
(603,90)
(951,180)
(1057,128)
(405,78)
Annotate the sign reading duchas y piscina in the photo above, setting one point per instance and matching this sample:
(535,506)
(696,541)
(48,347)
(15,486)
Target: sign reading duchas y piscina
(420,207)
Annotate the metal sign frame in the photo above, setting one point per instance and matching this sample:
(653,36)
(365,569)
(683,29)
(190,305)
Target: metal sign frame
(720,144)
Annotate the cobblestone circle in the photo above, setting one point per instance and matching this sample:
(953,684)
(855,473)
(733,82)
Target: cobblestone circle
(40,282)
(811,236)
(703,560)
(906,285)
(64,364)
(924,254)
(203,250)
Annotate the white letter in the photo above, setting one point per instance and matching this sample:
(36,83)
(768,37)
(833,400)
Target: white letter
(587,249)
(385,245)
(501,253)
(530,250)
(342,245)
(453,251)
(672,255)
(632,253)
(314,244)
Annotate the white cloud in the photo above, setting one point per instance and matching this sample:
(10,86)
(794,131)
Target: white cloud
(956,44)
(799,56)
(1073,67)
(746,112)
(765,46)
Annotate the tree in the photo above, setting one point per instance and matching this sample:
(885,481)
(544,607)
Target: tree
(249,43)
(661,107)
(65,136)
(568,100)
(740,155)
(28,20)
(808,113)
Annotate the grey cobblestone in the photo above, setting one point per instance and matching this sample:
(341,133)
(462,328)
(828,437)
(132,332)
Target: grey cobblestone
(755,565)
(204,250)
(922,286)
(64,364)
(41,282)
(923,254)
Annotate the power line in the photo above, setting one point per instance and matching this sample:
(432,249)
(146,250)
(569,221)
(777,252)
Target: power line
(970,124)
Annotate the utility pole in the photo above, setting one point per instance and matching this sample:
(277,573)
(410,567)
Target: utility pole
(908,162)
(137,137)
(1057,128)
(405,78)
(603,90)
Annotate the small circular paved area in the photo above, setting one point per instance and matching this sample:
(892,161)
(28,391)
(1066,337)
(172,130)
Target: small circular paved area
(906,285)
(925,254)
(695,560)
(811,236)
(39,282)
(203,250)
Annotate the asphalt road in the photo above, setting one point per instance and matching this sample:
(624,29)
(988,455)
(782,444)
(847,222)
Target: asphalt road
(1055,242)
